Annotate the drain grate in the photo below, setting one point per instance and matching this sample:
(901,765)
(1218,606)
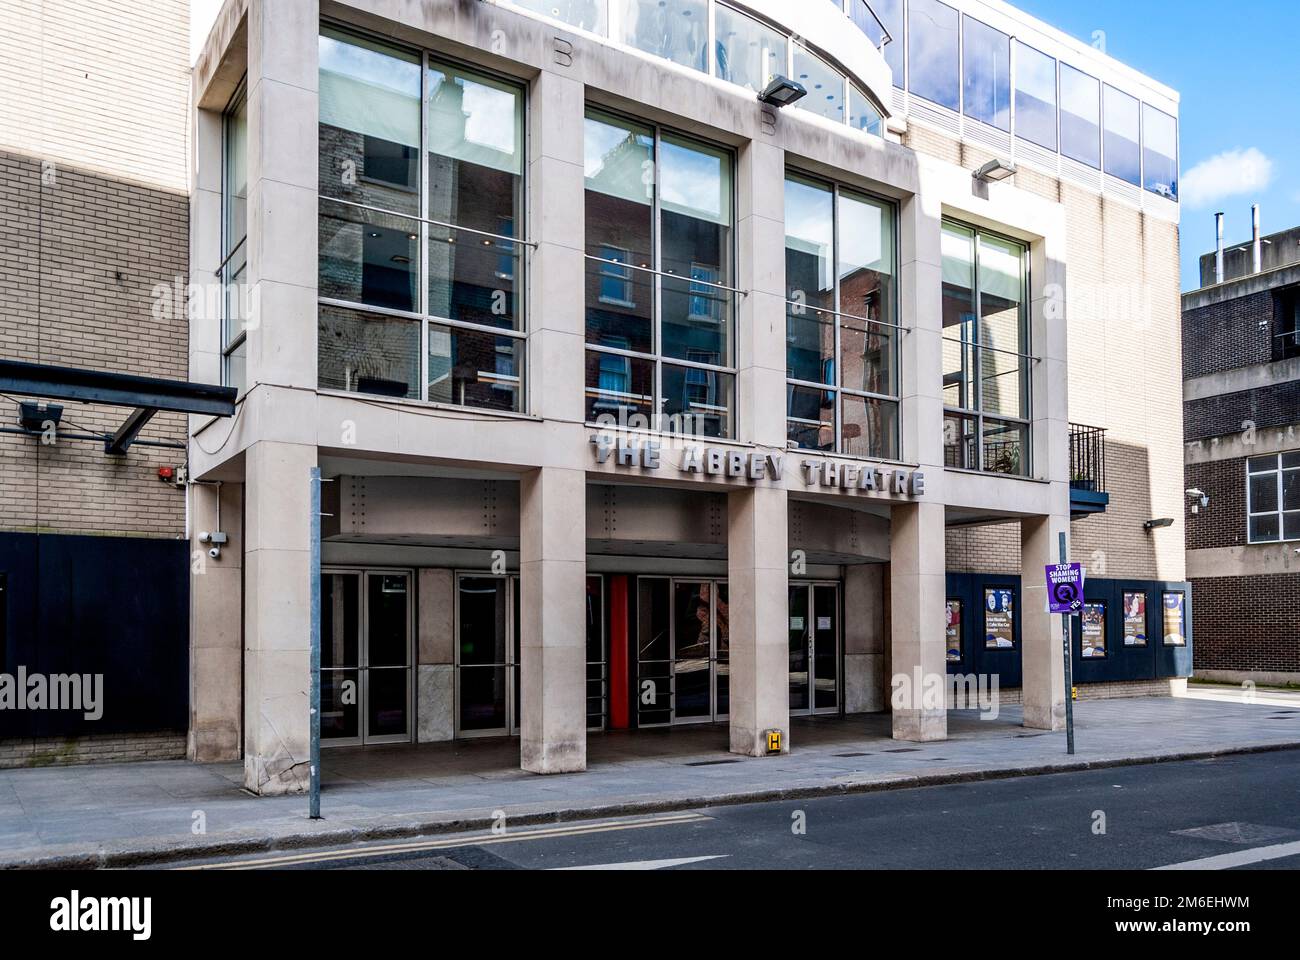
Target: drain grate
(904,750)
(1235,831)
(708,763)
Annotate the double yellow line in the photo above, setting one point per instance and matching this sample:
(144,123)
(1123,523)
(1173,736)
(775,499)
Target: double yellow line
(446,843)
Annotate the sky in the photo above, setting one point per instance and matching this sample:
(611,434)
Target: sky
(1234,66)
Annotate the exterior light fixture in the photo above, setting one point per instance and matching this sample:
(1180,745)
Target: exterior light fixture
(1200,499)
(781,92)
(1160,522)
(995,170)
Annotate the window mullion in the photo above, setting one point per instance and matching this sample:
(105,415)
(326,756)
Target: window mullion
(422,270)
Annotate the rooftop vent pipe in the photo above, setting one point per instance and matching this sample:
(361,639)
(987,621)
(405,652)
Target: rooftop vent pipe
(1256,250)
(1218,248)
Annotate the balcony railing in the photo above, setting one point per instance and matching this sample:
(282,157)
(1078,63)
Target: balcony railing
(1087,470)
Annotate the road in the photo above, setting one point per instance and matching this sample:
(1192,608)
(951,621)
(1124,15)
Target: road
(1242,811)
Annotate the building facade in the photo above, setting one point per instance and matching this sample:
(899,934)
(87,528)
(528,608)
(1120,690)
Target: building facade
(641,401)
(94,258)
(1241,359)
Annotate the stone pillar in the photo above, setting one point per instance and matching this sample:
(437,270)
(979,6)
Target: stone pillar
(277,616)
(759,602)
(864,639)
(553,641)
(435,710)
(1042,657)
(216,590)
(917,590)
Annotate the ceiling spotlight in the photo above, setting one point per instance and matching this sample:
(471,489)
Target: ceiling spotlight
(782,92)
(995,170)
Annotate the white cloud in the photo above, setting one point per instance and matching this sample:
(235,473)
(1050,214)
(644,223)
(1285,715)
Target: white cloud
(1226,174)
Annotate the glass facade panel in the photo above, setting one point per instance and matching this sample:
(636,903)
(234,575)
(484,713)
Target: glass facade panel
(589,15)
(1001,330)
(704,396)
(826,87)
(869,427)
(863,114)
(890,13)
(1273,498)
(371,353)
(234,245)
(933,50)
(368,257)
(958,304)
(1159,152)
(619,387)
(475,368)
(1122,134)
(748,53)
(676,30)
(986,84)
(1035,96)
(811,417)
(1080,117)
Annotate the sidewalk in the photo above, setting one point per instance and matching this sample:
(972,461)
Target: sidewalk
(117,814)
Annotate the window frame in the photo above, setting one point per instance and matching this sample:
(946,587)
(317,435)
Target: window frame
(1280,471)
(957,76)
(1016,46)
(656,356)
(1145,109)
(429,60)
(834,386)
(1061,67)
(967,76)
(231,344)
(975,347)
(1105,132)
(1286,324)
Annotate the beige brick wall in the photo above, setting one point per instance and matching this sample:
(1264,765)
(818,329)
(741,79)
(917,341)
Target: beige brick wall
(93,219)
(1122,305)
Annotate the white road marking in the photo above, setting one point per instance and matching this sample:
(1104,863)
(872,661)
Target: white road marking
(1238,858)
(644,864)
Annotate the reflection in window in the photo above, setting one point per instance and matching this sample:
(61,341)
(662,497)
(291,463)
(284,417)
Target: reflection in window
(666,268)
(1035,96)
(1273,498)
(890,13)
(863,114)
(825,86)
(583,14)
(840,296)
(1080,117)
(1159,152)
(987,81)
(985,336)
(676,30)
(1092,628)
(748,53)
(1120,141)
(933,53)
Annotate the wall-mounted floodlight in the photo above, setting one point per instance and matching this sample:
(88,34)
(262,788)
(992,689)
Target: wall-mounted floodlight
(782,92)
(995,170)
(1160,522)
(1200,499)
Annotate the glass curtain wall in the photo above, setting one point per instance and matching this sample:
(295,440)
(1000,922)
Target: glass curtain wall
(421,226)
(234,243)
(841,319)
(985,342)
(660,300)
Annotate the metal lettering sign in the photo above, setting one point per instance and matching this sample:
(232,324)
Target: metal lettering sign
(1065,588)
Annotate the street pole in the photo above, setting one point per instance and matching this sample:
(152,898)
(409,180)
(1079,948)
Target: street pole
(314,783)
(1069,666)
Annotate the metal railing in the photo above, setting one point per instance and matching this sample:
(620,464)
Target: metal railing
(1088,458)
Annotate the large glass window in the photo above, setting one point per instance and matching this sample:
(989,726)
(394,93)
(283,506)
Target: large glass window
(676,30)
(985,342)
(825,85)
(890,13)
(1159,152)
(660,301)
(748,53)
(1286,323)
(1080,117)
(1273,497)
(1035,96)
(986,83)
(1120,115)
(933,51)
(841,318)
(234,243)
(583,14)
(421,283)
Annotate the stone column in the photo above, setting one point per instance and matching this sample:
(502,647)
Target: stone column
(216,594)
(277,616)
(553,641)
(865,683)
(917,589)
(1042,657)
(436,674)
(759,601)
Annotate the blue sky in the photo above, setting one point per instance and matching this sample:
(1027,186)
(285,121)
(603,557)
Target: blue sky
(1234,66)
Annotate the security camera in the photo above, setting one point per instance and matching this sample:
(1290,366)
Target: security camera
(204,536)
(215,553)
(1195,492)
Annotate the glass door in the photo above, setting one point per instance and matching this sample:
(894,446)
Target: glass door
(692,650)
(365,656)
(814,632)
(486,657)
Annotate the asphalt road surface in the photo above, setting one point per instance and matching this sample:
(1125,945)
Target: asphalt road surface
(1240,812)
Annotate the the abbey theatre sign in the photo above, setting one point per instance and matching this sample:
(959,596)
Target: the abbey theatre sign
(753,467)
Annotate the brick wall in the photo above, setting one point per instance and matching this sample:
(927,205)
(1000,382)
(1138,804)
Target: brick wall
(1227,335)
(1223,523)
(1275,405)
(55,751)
(1248,623)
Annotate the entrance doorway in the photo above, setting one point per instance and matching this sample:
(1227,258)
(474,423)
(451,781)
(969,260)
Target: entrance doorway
(683,651)
(814,648)
(365,656)
(487,655)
